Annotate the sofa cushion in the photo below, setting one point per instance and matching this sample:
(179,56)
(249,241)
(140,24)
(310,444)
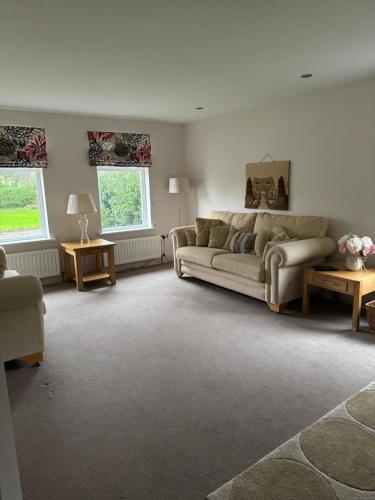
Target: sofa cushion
(199,255)
(243,221)
(246,265)
(203,230)
(301,226)
(223,215)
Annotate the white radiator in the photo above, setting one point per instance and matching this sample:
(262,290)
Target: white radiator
(42,263)
(137,249)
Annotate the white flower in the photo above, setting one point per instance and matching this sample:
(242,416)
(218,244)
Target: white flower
(366,241)
(354,245)
(343,240)
(107,146)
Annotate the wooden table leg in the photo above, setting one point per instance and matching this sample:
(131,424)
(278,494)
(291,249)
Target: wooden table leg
(67,270)
(306,294)
(357,304)
(111,265)
(99,261)
(78,270)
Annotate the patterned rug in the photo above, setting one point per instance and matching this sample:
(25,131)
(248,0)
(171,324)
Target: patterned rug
(333,459)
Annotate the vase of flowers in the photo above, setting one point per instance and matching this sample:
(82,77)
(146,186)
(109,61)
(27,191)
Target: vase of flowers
(356,250)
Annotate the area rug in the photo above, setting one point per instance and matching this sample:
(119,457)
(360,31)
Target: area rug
(333,459)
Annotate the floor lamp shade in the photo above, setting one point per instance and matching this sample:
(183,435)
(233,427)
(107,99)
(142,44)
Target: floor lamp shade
(81,204)
(178,185)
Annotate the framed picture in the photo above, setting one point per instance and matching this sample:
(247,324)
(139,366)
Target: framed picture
(267,185)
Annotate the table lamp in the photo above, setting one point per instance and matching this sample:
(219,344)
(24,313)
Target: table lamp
(178,185)
(82,204)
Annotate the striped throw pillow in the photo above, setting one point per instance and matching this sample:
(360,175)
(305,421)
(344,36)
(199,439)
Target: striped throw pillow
(239,242)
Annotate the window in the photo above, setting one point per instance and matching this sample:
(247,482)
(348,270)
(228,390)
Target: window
(22,204)
(124,198)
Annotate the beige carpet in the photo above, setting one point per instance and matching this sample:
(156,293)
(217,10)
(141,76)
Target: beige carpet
(333,459)
(164,389)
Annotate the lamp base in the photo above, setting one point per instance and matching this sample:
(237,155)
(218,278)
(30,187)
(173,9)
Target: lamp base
(83,224)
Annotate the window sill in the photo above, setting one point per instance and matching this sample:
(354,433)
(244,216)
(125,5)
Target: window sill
(23,242)
(135,230)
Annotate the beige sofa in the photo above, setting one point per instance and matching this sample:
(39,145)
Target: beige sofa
(278,279)
(21,316)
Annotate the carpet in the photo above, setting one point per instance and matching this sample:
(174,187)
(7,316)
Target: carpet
(333,459)
(161,388)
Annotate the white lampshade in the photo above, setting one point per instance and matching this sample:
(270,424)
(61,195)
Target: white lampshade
(178,185)
(81,204)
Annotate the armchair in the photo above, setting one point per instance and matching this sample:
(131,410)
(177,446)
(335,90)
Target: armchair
(21,316)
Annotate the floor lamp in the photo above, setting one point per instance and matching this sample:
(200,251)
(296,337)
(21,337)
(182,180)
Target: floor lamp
(178,185)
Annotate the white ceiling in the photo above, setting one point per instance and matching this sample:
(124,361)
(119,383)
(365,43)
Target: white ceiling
(160,59)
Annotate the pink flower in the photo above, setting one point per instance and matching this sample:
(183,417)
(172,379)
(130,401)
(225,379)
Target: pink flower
(342,248)
(102,136)
(368,250)
(143,152)
(36,147)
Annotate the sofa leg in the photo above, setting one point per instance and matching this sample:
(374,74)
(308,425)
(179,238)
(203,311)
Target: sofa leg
(33,359)
(277,308)
(179,274)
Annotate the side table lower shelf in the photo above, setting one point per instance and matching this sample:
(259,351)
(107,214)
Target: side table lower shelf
(93,277)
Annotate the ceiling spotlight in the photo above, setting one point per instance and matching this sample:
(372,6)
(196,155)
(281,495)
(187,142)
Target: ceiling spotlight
(306,75)
(198,108)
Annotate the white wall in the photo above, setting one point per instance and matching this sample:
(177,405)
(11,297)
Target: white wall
(69,172)
(328,136)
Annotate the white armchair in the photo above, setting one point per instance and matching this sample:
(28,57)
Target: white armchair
(21,316)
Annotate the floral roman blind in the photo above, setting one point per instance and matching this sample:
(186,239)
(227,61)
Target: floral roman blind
(119,149)
(22,147)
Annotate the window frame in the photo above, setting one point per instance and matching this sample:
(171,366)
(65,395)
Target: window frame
(41,201)
(145,199)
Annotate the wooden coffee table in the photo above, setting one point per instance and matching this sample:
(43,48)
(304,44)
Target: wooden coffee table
(354,283)
(78,250)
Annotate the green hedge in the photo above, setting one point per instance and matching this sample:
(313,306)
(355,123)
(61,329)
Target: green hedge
(17,197)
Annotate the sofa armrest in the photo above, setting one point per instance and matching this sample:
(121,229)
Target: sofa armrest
(178,236)
(3,260)
(20,291)
(298,252)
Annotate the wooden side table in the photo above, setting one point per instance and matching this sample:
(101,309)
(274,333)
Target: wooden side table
(78,250)
(353,283)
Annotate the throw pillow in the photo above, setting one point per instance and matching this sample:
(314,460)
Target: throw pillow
(260,242)
(191,237)
(203,230)
(240,242)
(279,233)
(231,233)
(2,270)
(271,244)
(218,236)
